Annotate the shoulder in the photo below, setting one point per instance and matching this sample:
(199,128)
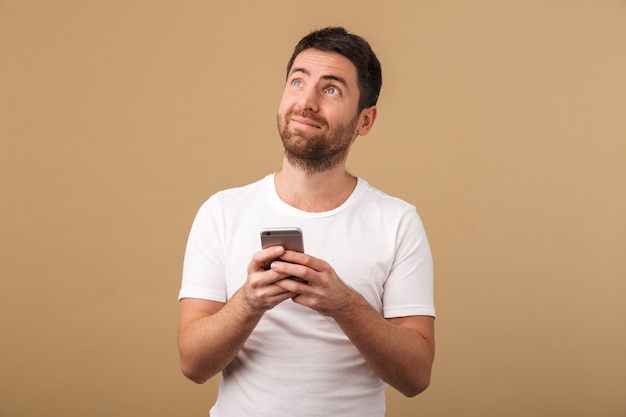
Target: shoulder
(238,195)
(378,198)
(392,211)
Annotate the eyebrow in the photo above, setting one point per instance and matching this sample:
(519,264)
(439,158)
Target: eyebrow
(324,77)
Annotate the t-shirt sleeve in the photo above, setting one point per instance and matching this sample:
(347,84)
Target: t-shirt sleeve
(203,266)
(408,290)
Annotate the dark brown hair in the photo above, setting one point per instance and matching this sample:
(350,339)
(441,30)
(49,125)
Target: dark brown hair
(353,47)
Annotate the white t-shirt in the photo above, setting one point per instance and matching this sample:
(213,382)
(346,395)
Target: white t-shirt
(298,362)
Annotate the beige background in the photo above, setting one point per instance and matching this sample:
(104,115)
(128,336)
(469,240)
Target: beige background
(502,121)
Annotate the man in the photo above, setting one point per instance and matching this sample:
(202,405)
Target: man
(363,317)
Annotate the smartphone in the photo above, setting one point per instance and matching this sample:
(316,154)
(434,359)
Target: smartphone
(289,238)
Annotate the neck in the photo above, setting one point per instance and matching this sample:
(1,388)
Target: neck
(314,192)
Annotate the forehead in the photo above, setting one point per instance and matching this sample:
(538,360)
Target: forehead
(322,64)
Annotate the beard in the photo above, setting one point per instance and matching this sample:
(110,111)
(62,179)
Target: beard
(314,153)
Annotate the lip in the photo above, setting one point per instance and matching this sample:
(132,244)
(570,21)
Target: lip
(306,122)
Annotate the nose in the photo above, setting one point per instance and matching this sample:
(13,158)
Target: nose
(308,100)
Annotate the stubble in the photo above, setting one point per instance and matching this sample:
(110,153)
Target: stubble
(318,152)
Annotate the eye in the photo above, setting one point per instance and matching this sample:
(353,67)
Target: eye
(333,90)
(297,83)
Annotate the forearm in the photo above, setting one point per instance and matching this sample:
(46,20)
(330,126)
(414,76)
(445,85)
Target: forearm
(208,343)
(399,350)
(399,355)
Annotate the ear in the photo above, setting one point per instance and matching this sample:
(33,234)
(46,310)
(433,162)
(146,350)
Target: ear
(366,120)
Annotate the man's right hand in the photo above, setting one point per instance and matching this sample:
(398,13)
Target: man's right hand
(211,333)
(260,290)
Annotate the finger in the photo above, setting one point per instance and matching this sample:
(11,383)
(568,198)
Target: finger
(293,285)
(300,258)
(260,258)
(261,279)
(269,297)
(293,271)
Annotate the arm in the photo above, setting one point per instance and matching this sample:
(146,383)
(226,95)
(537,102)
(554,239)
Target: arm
(211,333)
(399,350)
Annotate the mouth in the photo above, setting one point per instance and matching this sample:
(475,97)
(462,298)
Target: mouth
(306,123)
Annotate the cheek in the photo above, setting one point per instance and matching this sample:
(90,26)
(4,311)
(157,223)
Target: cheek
(284,105)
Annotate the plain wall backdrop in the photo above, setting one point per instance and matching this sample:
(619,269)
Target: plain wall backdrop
(502,121)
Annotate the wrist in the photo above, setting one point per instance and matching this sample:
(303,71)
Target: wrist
(353,307)
(245,305)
